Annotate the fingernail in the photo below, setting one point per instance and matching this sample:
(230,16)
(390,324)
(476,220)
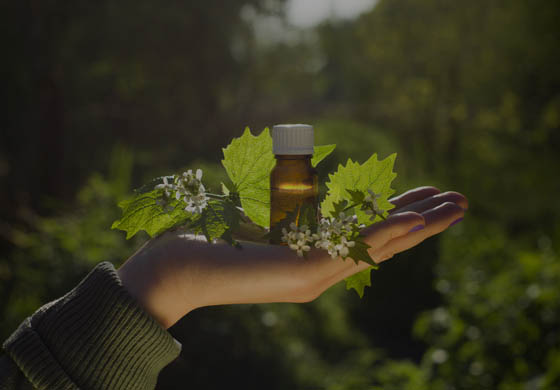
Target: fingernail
(416,228)
(456,221)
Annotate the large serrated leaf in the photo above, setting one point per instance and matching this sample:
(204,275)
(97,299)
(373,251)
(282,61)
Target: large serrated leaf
(142,212)
(342,186)
(248,161)
(373,174)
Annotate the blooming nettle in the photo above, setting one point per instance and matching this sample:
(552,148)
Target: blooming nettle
(333,235)
(298,238)
(188,187)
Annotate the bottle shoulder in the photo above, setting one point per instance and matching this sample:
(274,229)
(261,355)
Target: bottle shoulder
(296,170)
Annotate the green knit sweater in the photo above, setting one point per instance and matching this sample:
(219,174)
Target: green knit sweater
(94,337)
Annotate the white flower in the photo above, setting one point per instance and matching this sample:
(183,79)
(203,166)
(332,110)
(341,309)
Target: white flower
(166,186)
(343,246)
(332,235)
(298,238)
(371,206)
(196,204)
(190,189)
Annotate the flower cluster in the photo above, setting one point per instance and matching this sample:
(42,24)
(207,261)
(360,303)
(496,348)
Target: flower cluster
(370,205)
(333,235)
(187,187)
(297,238)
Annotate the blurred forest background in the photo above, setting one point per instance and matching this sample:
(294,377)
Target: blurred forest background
(99,97)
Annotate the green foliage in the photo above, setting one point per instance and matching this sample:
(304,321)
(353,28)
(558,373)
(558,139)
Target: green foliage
(373,174)
(218,220)
(401,375)
(499,326)
(145,212)
(248,161)
(350,183)
(359,281)
(357,253)
(357,197)
(52,253)
(320,152)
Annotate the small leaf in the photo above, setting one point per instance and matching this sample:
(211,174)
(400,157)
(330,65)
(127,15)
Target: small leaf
(249,231)
(217,220)
(359,252)
(338,208)
(274,236)
(143,212)
(307,216)
(359,281)
(320,152)
(225,190)
(356,196)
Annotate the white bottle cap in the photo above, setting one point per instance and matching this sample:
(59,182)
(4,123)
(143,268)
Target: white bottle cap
(292,139)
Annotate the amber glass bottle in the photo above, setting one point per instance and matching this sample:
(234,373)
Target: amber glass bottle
(293,181)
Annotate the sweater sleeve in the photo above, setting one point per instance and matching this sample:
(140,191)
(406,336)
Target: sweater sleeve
(94,337)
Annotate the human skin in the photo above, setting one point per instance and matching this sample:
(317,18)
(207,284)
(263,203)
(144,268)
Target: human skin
(176,273)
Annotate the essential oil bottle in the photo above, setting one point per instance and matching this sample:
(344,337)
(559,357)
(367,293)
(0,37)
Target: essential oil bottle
(293,181)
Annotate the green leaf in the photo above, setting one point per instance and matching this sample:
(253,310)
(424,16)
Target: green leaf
(356,196)
(225,190)
(359,281)
(359,252)
(320,152)
(249,231)
(142,212)
(307,215)
(339,207)
(373,174)
(218,220)
(274,235)
(248,161)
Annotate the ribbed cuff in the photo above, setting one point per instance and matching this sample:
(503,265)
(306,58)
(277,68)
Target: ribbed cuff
(94,337)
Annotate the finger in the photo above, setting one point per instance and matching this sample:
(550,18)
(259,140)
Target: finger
(378,234)
(435,200)
(412,196)
(437,220)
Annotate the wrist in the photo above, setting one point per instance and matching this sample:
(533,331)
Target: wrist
(146,278)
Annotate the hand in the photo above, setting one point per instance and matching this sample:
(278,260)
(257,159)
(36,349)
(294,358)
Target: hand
(177,273)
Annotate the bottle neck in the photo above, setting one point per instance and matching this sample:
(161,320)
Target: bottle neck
(293,157)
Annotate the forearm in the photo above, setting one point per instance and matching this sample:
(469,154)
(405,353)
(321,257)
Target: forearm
(95,337)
